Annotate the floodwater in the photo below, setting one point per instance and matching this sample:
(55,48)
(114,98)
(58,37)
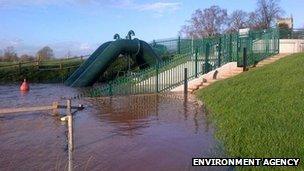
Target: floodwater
(138,132)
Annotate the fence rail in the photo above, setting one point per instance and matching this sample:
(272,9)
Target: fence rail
(199,56)
(53,63)
(292,33)
(49,71)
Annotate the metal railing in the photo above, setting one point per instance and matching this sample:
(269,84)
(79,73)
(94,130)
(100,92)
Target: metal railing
(292,33)
(198,55)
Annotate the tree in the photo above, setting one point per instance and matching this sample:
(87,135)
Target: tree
(26,57)
(283,26)
(237,20)
(10,54)
(285,31)
(45,53)
(208,22)
(267,12)
(253,21)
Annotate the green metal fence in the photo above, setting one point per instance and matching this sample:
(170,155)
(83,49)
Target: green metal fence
(199,56)
(291,33)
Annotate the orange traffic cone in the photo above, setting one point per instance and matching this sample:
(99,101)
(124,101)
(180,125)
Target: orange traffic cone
(24,86)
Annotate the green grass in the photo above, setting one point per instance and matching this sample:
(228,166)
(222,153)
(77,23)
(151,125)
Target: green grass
(260,113)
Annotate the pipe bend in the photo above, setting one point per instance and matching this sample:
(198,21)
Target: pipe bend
(138,46)
(116,36)
(130,34)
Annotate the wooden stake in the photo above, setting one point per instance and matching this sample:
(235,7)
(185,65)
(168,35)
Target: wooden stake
(70,126)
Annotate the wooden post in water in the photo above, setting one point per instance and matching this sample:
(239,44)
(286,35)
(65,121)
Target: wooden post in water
(70,160)
(70,134)
(185,81)
(70,125)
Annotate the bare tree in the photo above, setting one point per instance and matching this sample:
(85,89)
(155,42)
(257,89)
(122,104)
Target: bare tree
(237,20)
(26,57)
(45,53)
(10,54)
(253,20)
(267,12)
(209,22)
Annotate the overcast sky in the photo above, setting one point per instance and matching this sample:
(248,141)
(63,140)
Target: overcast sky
(79,26)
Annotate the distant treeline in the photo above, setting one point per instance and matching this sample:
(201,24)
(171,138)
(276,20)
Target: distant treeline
(9,54)
(216,20)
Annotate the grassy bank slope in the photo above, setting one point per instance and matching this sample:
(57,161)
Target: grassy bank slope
(260,113)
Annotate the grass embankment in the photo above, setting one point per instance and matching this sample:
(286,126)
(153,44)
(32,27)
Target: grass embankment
(260,113)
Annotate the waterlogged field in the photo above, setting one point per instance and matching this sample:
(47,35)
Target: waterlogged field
(149,132)
(260,113)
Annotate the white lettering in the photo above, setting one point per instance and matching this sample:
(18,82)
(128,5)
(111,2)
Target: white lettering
(296,162)
(224,162)
(245,161)
(196,162)
(265,162)
(218,162)
(238,162)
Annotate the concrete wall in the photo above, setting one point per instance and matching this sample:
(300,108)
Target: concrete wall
(291,45)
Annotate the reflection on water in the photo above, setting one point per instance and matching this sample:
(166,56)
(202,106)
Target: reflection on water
(138,132)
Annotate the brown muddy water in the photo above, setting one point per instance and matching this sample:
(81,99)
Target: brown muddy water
(142,132)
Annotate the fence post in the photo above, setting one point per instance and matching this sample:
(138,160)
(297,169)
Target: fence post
(192,45)
(207,52)
(179,45)
(19,68)
(230,47)
(37,64)
(196,62)
(219,52)
(185,80)
(110,89)
(237,47)
(245,59)
(156,78)
(267,43)
(278,37)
